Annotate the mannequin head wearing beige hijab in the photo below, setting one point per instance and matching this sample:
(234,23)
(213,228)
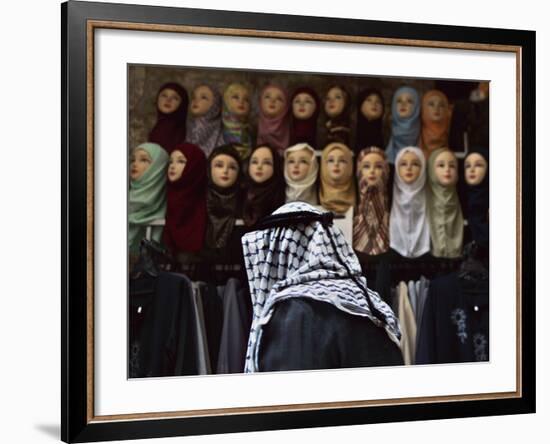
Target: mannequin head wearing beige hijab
(337,187)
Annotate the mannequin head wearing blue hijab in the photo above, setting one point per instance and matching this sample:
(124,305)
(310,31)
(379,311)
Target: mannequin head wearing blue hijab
(405,118)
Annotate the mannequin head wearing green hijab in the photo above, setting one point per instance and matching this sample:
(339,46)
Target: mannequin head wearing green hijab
(147,195)
(444,212)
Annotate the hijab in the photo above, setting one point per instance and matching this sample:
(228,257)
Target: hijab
(371,223)
(339,127)
(206,130)
(306,261)
(369,132)
(477,202)
(305,130)
(409,227)
(147,197)
(434,134)
(405,130)
(444,214)
(337,195)
(235,128)
(170,128)
(186,203)
(274,131)
(306,189)
(221,203)
(263,198)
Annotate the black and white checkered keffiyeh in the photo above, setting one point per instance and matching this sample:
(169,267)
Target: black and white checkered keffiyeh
(300,261)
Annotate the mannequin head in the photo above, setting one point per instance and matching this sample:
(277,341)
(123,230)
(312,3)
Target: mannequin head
(237,100)
(484,88)
(404,104)
(176,165)
(409,167)
(335,101)
(261,164)
(224,170)
(202,100)
(298,164)
(445,168)
(435,107)
(475,168)
(140,161)
(303,106)
(273,101)
(336,164)
(372,107)
(371,168)
(168,101)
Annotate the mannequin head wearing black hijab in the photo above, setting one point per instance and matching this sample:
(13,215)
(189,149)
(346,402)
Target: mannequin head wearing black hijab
(264,183)
(224,179)
(476,177)
(370,114)
(337,110)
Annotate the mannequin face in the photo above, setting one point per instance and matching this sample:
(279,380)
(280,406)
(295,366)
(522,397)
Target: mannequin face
(303,106)
(224,170)
(168,101)
(404,105)
(337,164)
(272,102)
(371,107)
(260,167)
(436,109)
(409,167)
(372,168)
(176,165)
(446,169)
(335,101)
(202,101)
(238,101)
(140,161)
(475,168)
(298,164)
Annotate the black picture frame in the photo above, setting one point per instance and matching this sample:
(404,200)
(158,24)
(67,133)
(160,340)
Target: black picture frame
(77,421)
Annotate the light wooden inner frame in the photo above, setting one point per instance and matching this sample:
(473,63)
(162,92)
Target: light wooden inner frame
(92,25)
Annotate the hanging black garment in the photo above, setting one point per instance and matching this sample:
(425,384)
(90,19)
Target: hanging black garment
(455,322)
(237,317)
(213,318)
(165,345)
(305,334)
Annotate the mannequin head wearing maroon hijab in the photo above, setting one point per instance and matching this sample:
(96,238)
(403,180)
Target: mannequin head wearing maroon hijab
(172,103)
(185,225)
(305,110)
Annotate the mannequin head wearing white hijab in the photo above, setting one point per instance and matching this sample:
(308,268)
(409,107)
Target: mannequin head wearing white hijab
(409,227)
(301,169)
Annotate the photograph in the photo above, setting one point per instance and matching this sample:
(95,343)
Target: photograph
(283,221)
(400,278)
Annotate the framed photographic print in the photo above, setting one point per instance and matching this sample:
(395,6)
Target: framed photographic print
(276,221)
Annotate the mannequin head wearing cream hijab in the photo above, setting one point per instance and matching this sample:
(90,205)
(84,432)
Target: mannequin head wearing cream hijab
(409,227)
(301,169)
